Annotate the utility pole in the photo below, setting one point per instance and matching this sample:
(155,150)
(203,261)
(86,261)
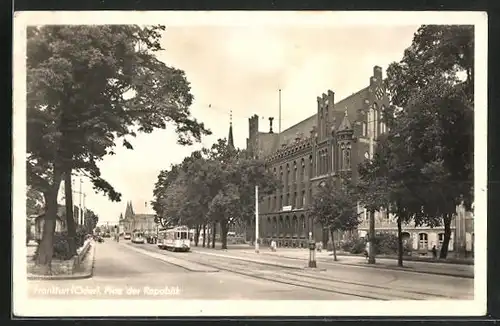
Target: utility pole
(257,219)
(279,118)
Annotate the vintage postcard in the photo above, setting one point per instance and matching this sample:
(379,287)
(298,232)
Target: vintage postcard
(249,163)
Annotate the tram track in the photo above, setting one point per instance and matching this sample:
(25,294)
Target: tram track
(300,277)
(311,280)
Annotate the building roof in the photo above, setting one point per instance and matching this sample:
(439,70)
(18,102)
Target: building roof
(269,143)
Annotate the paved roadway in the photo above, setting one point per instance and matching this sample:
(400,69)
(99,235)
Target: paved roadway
(440,286)
(121,272)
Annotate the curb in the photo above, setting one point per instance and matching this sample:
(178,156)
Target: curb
(381,267)
(77,276)
(407,269)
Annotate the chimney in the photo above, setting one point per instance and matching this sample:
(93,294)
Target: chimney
(271,125)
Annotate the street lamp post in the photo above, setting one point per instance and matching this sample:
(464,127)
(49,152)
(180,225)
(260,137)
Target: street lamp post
(312,252)
(257,219)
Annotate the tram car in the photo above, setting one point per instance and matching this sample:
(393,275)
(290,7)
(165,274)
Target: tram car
(137,237)
(175,239)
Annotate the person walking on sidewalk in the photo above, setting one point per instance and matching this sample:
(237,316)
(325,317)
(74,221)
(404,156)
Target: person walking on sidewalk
(434,252)
(273,245)
(367,250)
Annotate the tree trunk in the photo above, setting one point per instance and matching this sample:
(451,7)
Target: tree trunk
(214,229)
(371,238)
(204,235)
(70,221)
(46,246)
(447,234)
(223,229)
(400,244)
(197,235)
(332,233)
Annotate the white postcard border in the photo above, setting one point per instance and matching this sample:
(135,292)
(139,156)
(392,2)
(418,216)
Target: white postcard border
(25,306)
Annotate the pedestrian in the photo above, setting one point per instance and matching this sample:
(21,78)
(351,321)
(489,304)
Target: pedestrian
(367,250)
(273,245)
(434,252)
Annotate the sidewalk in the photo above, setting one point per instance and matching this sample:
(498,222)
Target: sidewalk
(456,270)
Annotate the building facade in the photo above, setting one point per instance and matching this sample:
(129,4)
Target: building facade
(331,142)
(131,221)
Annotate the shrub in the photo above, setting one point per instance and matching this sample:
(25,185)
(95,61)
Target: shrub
(354,246)
(386,244)
(61,244)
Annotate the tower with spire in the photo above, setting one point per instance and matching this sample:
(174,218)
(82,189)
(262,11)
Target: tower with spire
(230,140)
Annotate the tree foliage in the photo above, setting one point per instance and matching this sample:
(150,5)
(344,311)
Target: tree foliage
(90,88)
(425,168)
(214,185)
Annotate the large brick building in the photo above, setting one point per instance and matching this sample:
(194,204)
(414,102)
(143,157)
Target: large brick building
(331,142)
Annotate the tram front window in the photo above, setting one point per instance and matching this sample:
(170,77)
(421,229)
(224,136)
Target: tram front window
(184,235)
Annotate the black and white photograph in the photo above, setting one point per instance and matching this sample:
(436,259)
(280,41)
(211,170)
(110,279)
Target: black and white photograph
(249,163)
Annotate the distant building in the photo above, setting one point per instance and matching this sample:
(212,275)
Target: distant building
(132,221)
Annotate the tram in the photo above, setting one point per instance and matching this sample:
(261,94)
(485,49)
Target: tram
(175,239)
(137,237)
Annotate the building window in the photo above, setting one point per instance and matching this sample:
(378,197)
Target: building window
(303,198)
(280,203)
(310,166)
(423,241)
(294,171)
(294,201)
(440,239)
(302,170)
(364,129)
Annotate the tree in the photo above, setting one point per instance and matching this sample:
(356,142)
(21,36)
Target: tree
(89,87)
(389,183)
(334,207)
(34,202)
(90,219)
(213,186)
(435,117)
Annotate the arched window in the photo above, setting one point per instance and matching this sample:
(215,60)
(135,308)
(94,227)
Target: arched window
(294,200)
(303,203)
(423,242)
(311,166)
(287,178)
(347,156)
(369,119)
(294,171)
(364,129)
(382,123)
(302,169)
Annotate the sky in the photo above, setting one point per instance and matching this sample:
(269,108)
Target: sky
(241,68)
